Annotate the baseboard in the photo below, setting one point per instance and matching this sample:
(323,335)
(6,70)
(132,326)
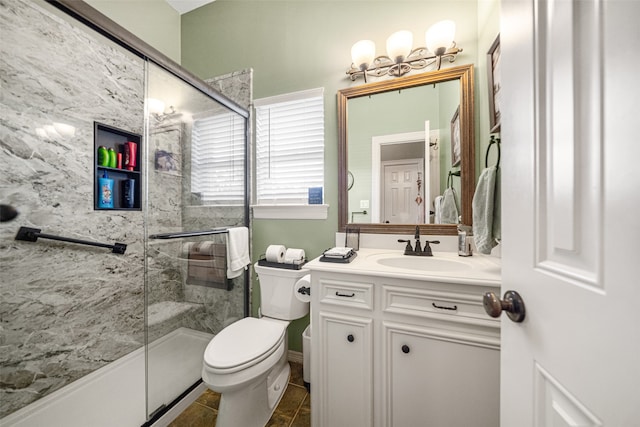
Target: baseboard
(295,356)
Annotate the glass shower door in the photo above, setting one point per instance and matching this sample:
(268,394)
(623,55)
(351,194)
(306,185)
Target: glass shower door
(195,180)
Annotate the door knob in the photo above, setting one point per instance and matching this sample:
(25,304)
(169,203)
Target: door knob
(512,303)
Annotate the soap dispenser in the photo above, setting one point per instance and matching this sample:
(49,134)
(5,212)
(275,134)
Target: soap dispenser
(465,234)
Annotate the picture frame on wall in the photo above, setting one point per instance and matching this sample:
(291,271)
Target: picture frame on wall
(456,155)
(495,84)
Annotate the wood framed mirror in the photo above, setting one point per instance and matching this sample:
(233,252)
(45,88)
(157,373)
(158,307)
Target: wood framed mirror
(461,99)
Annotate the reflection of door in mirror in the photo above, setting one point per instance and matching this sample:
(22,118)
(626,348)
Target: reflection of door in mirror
(401,192)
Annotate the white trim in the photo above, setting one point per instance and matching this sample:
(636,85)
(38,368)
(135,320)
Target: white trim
(293,96)
(295,357)
(290,211)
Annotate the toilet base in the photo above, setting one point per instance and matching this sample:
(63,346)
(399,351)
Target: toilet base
(253,406)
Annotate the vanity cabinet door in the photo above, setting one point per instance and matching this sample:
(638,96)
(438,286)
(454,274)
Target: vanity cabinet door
(439,378)
(346,371)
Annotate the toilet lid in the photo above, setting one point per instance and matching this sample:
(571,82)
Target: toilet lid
(241,342)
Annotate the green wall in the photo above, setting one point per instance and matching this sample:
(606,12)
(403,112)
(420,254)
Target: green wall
(153,21)
(488,30)
(303,44)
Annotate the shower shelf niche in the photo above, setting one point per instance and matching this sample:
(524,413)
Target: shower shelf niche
(111,137)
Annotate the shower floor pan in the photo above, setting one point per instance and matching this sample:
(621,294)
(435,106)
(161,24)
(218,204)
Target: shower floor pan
(115,394)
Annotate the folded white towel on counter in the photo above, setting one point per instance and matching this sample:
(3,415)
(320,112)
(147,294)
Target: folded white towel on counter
(486,211)
(449,207)
(338,252)
(237,251)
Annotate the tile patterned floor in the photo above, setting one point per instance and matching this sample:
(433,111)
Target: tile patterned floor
(294,410)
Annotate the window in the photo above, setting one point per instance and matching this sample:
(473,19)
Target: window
(217,158)
(289,147)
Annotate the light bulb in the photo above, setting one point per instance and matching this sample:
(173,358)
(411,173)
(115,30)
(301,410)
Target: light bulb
(439,37)
(362,54)
(399,45)
(64,129)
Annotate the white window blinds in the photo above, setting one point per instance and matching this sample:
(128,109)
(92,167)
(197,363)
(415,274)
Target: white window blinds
(289,146)
(217,158)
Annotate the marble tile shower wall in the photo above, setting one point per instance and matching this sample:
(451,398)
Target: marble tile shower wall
(65,310)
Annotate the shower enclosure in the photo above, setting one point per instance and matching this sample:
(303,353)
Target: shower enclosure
(89,336)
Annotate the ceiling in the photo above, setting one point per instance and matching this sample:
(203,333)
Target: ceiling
(184,6)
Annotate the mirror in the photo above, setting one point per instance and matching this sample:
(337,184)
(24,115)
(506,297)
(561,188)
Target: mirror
(369,145)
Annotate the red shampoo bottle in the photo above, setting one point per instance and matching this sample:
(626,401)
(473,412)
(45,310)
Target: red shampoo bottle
(130,154)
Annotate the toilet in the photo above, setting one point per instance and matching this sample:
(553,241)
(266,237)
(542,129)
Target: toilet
(247,361)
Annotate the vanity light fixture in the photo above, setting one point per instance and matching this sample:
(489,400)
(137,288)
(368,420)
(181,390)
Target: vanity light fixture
(401,58)
(156,108)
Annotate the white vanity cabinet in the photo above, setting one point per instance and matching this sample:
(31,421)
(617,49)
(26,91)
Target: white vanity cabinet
(397,352)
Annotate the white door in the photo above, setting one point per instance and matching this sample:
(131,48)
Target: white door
(571,209)
(400,194)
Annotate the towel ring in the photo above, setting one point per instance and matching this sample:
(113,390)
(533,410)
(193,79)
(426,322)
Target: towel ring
(450,178)
(496,141)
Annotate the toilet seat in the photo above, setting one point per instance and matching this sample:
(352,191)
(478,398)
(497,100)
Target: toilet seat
(243,344)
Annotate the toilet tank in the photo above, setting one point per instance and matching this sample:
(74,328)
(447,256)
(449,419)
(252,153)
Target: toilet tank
(277,292)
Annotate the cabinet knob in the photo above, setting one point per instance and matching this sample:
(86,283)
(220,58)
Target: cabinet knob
(350,338)
(512,303)
(405,349)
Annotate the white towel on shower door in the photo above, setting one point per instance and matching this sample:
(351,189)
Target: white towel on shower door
(237,251)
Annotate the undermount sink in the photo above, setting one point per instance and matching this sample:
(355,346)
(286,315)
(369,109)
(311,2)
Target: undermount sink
(423,263)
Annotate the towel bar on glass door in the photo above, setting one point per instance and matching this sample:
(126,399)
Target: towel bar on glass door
(32,234)
(182,234)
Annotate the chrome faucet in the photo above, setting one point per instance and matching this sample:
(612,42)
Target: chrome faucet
(418,250)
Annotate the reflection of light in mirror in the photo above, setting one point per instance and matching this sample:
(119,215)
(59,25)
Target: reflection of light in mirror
(64,129)
(155,106)
(51,131)
(56,130)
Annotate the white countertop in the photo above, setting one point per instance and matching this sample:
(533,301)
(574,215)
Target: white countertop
(475,270)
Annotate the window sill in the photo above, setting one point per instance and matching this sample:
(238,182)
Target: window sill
(290,211)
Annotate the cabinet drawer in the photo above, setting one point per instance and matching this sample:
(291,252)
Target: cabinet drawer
(349,294)
(425,303)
